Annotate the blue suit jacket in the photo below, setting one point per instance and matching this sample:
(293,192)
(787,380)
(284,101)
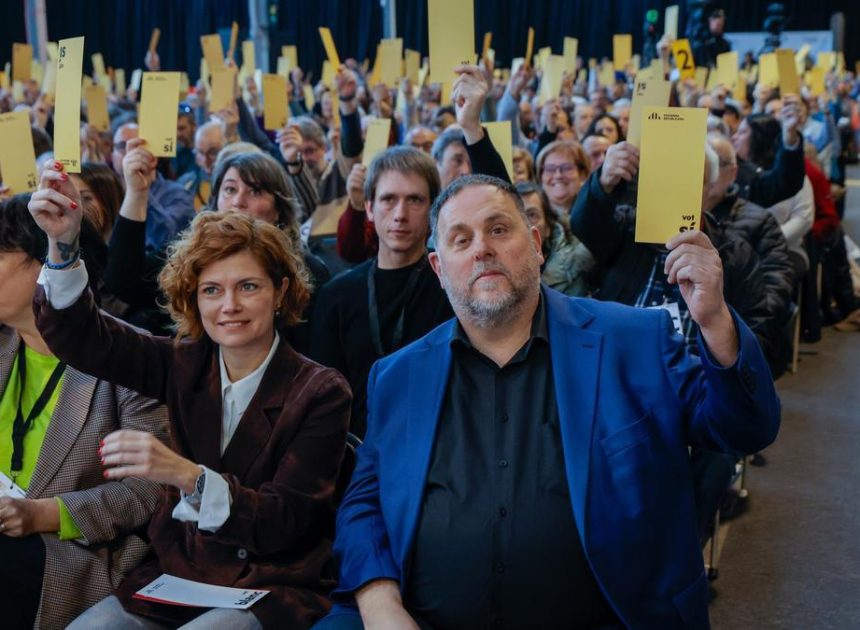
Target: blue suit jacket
(630,400)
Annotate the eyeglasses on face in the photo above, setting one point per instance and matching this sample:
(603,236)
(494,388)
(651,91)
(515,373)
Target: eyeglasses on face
(562,169)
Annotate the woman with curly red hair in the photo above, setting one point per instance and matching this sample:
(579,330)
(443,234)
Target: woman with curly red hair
(258,430)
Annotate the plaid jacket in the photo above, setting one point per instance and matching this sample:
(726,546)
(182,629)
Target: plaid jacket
(110,515)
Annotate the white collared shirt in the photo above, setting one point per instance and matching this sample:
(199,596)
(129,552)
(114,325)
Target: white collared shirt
(64,287)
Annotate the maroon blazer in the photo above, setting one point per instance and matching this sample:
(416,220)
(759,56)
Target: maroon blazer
(281,464)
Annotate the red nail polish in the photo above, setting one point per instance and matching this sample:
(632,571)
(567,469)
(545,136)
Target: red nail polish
(58,166)
(74,206)
(101,442)
(64,177)
(106,474)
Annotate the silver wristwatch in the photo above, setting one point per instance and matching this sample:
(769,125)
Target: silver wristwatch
(196,497)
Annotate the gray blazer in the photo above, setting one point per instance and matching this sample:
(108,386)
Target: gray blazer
(110,514)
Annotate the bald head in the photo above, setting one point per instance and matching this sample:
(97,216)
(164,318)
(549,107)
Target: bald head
(208,142)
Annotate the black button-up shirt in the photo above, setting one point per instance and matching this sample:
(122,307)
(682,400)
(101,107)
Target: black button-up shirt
(497,545)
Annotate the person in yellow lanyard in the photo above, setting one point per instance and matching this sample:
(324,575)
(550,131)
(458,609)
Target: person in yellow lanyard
(63,528)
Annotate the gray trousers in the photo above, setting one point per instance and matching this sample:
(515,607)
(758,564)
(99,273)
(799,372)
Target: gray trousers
(109,613)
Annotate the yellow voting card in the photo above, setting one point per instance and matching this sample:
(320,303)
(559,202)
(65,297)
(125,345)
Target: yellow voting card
(553,74)
(67,108)
(684,58)
(671,171)
(789,82)
(53,50)
(136,77)
(826,60)
(213,51)
(328,74)
(22,62)
(376,140)
(223,89)
(768,70)
(648,91)
(543,55)
(17,159)
(248,58)
(390,61)
(701,77)
(571,49)
(37,73)
(530,46)
(727,70)
(500,136)
(234,37)
(800,58)
(606,77)
(275,104)
(308,93)
(335,109)
(98,65)
(488,43)
(815,80)
(451,29)
(670,25)
(284,67)
(49,81)
(413,65)
(97,111)
(622,50)
(119,81)
(153,39)
(330,48)
(291,53)
(159,106)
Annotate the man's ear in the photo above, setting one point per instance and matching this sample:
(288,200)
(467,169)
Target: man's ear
(535,234)
(368,209)
(435,264)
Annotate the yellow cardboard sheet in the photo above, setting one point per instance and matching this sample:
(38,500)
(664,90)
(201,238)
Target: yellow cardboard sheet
(728,70)
(670,26)
(500,136)
(67,108)
(223,89)
(800,58)
(606,77)
(571,50)
(119,81)
(815,80)
(284,67)
(153,39)
(553,74)
(330,48)
(213,51)
(622,50)
(530,46)
(98,65)
(701,77)
(234,37)
(376,139)
(53,51)
(789,82)
(276,110)
(543,55)
(488,43)
(159,106)
(684,58)
(827,60)
(308,92)
(97,110)
(136,78)
(648,91)
(249,60)
(390,61)
(291,53)
(412,65)
(328,73)
(49,81)
(17,159)
(22,62)
(768,70)
(671,171)
(451,36)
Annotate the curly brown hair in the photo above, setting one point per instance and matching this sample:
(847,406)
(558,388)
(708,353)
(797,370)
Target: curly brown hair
(215,236)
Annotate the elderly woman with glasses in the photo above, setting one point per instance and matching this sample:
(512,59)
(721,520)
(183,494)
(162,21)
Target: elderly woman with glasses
(562,168)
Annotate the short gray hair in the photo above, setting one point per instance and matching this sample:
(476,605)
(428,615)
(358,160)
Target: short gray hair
(712,161)
(310,129)
(470,181)
(445,139)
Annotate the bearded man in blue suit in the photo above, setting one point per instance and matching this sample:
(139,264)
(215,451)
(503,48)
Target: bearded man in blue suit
(526,464)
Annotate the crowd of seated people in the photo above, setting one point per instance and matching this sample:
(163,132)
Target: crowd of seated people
(183,352)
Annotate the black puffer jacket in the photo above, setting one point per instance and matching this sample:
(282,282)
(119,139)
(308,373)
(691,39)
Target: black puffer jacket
(737,218)
(605,224)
